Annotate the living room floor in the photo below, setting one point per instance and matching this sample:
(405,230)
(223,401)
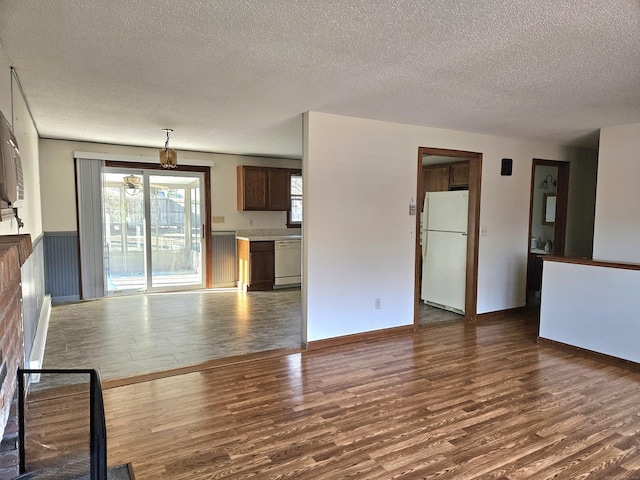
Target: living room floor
(452,400)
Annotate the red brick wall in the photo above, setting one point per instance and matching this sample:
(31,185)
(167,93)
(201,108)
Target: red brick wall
(14,250)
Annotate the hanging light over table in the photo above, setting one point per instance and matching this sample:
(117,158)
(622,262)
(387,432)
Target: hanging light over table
(168,156)
(132,184)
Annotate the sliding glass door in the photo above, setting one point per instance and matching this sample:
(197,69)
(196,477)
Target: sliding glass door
(153,230)
(175,231)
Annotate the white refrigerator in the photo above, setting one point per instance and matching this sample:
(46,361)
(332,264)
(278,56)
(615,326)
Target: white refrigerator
(444,249)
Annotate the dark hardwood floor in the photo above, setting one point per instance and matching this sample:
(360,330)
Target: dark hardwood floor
(454,401)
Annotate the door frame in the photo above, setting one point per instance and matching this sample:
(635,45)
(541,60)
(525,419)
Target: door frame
(473,227)
(205,214)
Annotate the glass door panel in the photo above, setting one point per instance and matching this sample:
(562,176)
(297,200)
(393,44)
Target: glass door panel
(124,237)
(176,254)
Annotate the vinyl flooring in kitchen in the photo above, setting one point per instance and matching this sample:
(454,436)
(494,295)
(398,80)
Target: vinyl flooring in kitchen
(428,314)
(135,335)
(132,336)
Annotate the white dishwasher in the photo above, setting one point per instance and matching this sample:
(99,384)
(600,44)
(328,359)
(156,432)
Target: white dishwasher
(288,259)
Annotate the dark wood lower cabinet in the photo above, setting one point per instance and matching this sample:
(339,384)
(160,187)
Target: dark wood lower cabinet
(256,264)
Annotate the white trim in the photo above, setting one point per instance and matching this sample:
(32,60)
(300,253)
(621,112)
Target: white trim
(137,158)
(36,357)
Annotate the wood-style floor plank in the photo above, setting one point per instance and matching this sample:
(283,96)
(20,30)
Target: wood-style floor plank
(453,400)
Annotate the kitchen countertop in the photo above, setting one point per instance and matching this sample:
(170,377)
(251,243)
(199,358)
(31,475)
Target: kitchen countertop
(540,251)
(268,235)
(267,238)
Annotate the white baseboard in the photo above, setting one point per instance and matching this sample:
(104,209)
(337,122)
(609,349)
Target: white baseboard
(36,359)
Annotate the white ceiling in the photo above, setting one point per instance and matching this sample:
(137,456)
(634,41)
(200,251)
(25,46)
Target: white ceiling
(235,76)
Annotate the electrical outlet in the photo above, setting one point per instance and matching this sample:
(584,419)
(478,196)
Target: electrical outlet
(378,303)
(251,222)
(483,231)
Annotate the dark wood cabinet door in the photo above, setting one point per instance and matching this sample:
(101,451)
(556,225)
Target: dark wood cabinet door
(261,264)
(279,179)
(435,178)
(459,175)
(253,188)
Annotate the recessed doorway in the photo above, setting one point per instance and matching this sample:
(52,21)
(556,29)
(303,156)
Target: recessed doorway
(547,220)
(442,174)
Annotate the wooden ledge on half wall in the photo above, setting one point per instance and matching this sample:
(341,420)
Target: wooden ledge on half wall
(591,262)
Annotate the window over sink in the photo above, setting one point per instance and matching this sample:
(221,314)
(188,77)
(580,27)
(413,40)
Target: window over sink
(294,215)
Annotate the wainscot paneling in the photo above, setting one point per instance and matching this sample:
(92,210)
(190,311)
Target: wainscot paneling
(62,278)
(224,259)
(32,272)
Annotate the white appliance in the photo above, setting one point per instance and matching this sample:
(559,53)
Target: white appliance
(444,249)
(288,260)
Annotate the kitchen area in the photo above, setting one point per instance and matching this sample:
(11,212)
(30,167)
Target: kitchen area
(267,258)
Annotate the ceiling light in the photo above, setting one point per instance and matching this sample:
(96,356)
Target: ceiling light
(132,184)
(168,156)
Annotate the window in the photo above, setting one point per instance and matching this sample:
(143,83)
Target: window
(295,198)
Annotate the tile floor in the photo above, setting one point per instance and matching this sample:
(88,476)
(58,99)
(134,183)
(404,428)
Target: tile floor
(127,336)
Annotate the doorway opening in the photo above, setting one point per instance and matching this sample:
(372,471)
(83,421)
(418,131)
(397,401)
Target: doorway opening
(447,217)
(547,220)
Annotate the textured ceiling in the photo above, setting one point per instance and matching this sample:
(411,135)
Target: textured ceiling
(235,76)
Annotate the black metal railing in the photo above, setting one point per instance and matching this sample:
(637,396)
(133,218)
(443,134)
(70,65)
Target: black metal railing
(53,409)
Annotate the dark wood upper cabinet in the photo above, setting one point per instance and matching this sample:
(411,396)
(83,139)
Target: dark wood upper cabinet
(435,178)
(263,188)
(459,175)
(279,188)
(443,177)
(253,188)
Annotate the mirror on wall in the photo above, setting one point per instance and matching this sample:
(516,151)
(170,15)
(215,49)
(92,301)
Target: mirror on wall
(549,206)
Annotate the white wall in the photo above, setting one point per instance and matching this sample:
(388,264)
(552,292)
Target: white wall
(14,108)
(617,217)
(5,85)
(27,136)
(58,188)
(359,176)
(590,307)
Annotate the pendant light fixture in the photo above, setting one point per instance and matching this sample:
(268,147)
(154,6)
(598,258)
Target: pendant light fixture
(168,156)
(132,184)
